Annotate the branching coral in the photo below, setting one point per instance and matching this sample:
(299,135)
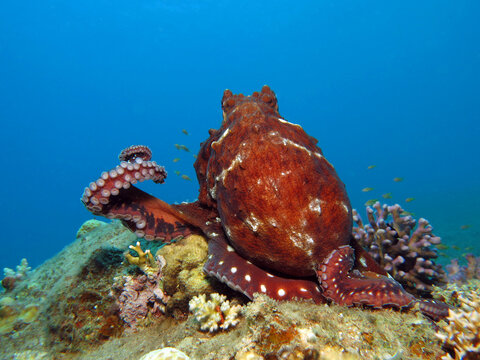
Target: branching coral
(214,313)
(12,277)
(462,274)
(406,252)
(461,336)
(144,261)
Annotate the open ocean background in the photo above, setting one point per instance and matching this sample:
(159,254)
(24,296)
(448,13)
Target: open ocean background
(391,84)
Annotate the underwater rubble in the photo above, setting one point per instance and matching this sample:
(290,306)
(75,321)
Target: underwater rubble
(108,296)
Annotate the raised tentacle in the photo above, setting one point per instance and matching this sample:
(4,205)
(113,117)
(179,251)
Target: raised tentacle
(113,196)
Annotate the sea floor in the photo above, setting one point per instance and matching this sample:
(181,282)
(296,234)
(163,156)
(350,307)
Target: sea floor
(68,308)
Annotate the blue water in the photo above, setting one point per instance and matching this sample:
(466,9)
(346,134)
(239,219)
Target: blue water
(391,84)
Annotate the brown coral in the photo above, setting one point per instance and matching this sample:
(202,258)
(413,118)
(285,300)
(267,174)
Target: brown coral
(406,252)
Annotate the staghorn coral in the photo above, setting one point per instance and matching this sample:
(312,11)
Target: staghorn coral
(214,313)
(405,252)
(461,336)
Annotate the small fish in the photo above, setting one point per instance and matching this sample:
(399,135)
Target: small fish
(182,147)
(176,160)
(443,254)
(195,156)
(410,199)
(371,167)
(371,202)
(387,196)
(407,213)
(398,179)
(185,131)
(186,177)
(469,248)
(442,247)
(177,172)
(465,227)
(367,189)
(455,247)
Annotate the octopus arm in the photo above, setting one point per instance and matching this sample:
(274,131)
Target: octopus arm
(364,261)
(113,195)
(345,285)
(242,275)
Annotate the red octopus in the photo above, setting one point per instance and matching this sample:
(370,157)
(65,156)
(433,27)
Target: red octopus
(277,216)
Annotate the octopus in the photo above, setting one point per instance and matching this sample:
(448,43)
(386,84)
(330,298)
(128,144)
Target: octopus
(277,216)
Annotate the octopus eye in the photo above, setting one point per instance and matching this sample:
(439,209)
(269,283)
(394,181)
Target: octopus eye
(266,98)
(269,98)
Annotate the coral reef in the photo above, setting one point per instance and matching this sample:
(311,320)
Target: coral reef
(405,252)
(214,313)
(141,297)
(32,355)
(88,226)
(87,314)
(462,274)
(167,353)
(452,292)
(461,336)
(64,305)
(15,315)
(183,275)
(79,316)
(12,277)
(144,260)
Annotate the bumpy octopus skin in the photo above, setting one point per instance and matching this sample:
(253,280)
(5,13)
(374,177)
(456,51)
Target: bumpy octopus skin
(276,214)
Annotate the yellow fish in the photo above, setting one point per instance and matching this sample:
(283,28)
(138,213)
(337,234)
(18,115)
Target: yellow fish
(186,177)
(387,196)
(367,189)
(455,247)
(371,167)
(176,160)
(371,202)
(185,131)
(177,172)
(195,156)
(398,179)
(181,147)
(409,199)
(442,247)
(407,213)
(465,227)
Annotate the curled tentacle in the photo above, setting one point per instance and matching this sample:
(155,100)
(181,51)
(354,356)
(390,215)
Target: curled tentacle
(346,287)
(114,196)
(135,151)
